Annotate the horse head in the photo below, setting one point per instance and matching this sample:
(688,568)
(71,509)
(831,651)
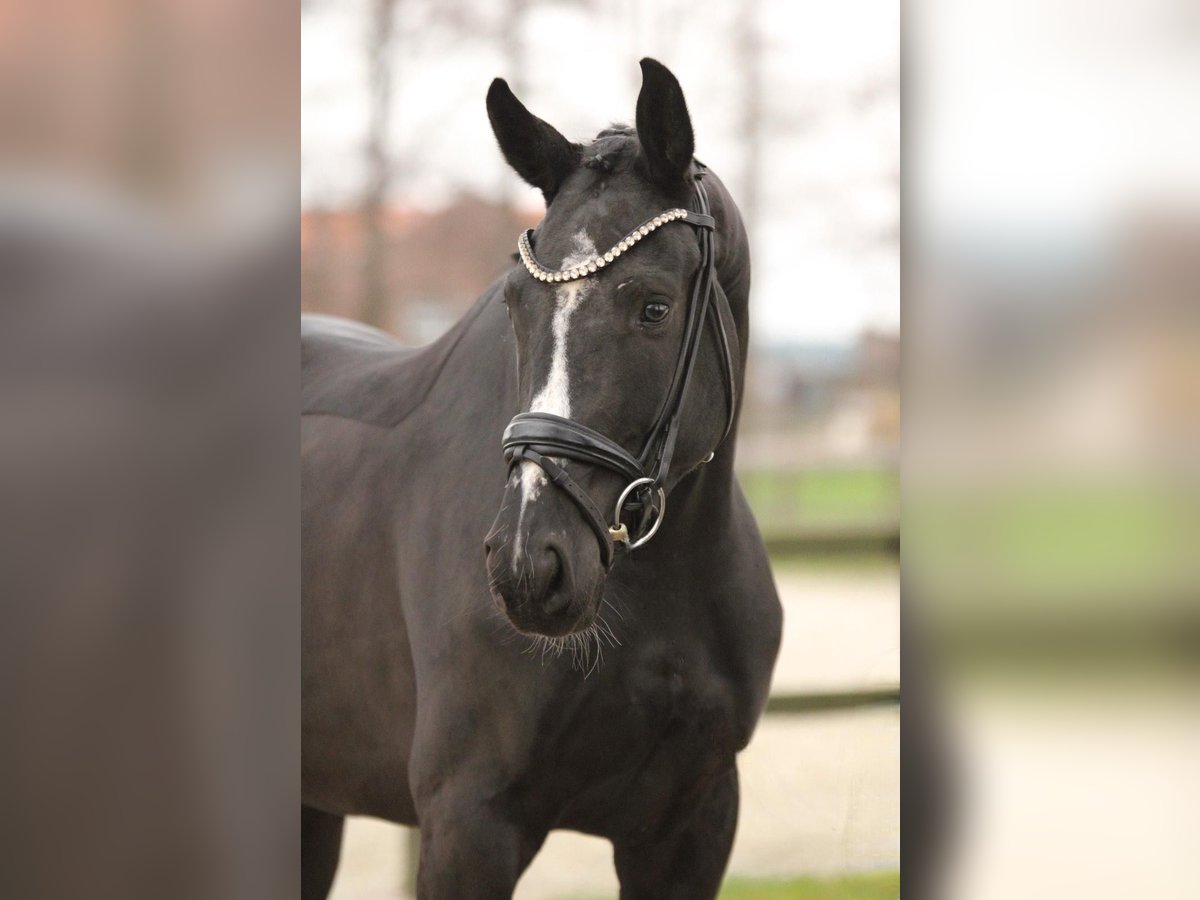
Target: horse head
(628,356)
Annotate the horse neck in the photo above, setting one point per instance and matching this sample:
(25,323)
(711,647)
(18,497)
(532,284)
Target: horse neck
(704,497)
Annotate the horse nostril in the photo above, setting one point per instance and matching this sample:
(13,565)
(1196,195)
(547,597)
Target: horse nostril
(554,566)
(555,597)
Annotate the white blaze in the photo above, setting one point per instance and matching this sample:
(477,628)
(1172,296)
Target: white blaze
(555,395)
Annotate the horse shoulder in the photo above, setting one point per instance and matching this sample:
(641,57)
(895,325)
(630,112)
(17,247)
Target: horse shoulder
(751,616)
(737,621)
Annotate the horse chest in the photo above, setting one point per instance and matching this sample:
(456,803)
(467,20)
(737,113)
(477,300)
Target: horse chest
(669,721)
(681,695)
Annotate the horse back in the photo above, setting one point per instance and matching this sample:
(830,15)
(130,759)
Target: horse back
(374,419)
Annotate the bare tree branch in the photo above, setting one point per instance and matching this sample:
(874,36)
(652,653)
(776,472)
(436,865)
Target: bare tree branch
(380,50)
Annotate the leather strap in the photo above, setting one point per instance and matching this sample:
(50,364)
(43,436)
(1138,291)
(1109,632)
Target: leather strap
(562,437)
(591,513)
(659,449)
(729,350)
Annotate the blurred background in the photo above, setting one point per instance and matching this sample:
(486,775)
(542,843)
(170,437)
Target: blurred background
(409,212)
(1052,440)
(149,570)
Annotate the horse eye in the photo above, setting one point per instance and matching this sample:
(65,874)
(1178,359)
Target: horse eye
(655,312)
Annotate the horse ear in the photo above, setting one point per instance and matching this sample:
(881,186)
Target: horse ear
(663,125)
(535,149)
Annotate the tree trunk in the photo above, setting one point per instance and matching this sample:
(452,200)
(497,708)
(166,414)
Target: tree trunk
(749,50)
(375,306)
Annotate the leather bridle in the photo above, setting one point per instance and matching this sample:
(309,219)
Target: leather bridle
(537,436)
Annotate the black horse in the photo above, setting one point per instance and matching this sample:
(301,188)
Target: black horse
(491,696)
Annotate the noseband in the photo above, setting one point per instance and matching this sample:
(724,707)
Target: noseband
(536,436)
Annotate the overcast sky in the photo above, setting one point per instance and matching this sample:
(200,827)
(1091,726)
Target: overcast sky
(826,258)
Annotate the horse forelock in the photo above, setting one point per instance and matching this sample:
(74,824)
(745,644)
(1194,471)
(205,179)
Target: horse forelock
(614,149)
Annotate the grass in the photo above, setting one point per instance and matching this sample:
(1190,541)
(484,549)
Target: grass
(870,886)
(834,514)
(1084,542)
(819,498)
(865,886)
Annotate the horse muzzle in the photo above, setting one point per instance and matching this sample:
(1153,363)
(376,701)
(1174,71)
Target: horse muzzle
(543,569)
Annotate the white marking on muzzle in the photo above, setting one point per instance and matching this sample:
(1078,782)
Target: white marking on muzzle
(555,395)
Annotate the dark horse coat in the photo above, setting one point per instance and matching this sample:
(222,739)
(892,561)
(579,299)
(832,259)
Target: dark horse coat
(423,705)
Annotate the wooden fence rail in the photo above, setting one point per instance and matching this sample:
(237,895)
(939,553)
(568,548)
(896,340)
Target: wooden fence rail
(832,701)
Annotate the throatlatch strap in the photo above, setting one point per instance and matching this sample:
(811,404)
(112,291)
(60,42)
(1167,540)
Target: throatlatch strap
(725,333)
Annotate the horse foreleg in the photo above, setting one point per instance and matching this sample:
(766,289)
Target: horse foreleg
(470,851)
(320,847)
(686,859)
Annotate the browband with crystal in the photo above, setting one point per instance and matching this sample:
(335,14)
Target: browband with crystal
(584,269)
